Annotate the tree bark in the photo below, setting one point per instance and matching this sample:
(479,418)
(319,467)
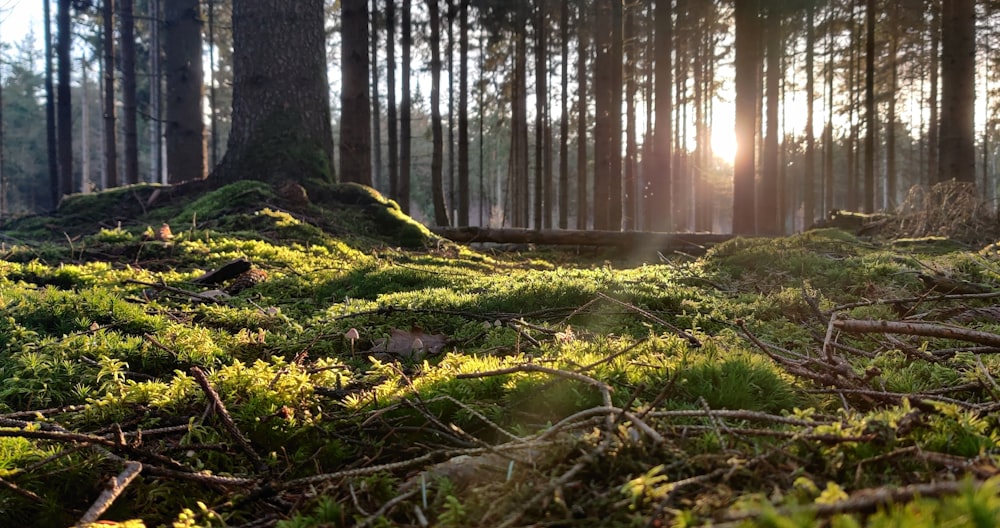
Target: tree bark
(463,114)
(376,113)
(281,106)
(50,112)
(564,115)
(933,102)
(437,139)
(747,20)
(540,201)
(958,84)
(355,109)
(659,201)
(110,127)
(404,115)
(127,22)
(582,212)
(390,85)
(768,210)
(871,120)
(64,110)
(809,176)
(185,129)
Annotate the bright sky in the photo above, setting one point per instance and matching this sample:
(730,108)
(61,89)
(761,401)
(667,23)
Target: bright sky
(18,17)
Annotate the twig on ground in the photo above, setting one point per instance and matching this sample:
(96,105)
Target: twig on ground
(919,329)
(227,420)
(110,493)
(692,340)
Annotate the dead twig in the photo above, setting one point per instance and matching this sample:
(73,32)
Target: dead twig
(864,326)
(692,340)
(110,493)
(227,420)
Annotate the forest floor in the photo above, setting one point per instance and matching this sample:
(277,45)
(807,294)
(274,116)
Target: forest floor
(250,359)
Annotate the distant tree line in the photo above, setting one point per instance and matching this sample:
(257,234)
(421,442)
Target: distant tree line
(529,113)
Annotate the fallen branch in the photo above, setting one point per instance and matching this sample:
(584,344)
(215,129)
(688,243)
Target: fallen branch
(863,326)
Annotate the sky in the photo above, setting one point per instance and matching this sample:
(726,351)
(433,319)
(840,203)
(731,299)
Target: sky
(18,17)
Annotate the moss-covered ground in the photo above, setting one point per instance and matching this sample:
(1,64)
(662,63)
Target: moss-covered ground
(372,375)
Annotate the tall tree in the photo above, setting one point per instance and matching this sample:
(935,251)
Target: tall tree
(155,94)
(809,175)
(871,120)
(50,111)
(607,124)
(376,113)
(110,126)
(540,202)
(129,114)
(582,52)
(564,115)
(933,101)
(747,43)
(437,154)
(405,124)
(463,114)
(64,110)
(185,126)
(281,103)
(769,221)
(390,85)
(355,109)
(956,147)
(659,207)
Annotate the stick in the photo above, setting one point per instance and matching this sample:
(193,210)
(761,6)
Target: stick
(692,340)
(227,420)
(860,326)
(110,493)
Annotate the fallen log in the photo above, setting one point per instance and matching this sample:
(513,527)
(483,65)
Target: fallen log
(567,237)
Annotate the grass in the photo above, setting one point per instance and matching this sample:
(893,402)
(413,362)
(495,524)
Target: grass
(557,389)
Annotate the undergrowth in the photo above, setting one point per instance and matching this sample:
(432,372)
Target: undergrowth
(358,383)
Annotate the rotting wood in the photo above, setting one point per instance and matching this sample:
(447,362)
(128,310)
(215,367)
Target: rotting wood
(572,237)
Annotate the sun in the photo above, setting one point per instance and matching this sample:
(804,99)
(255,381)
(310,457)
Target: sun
(724,143)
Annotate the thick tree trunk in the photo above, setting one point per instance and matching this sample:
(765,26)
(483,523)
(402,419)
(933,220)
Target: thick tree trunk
(933,102)
(281,105)
(185,128)
(957,159)
(155,95)
(437,139)
(64,110)
(110,127)
(128,93)
(631,152)
(659,202)
(747,20)
(355,109)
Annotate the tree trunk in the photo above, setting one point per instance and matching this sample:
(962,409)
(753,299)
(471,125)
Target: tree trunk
(155,98)
(437,154)
(64,110)
(390,90)
(376,113)
(871,120)
(747,20)
(404,113)
(110,128)
(582,212)
(540,201)
(631,154)
(185,128)
(769,207)
(809,176)
(564,115)
(957,158)
(463,114)
(355,109)
(519,198)
(933,101)
(281,105)
(891,191)
(659,204)
(128,92)
(828,146)
(50,112)
(213,104)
